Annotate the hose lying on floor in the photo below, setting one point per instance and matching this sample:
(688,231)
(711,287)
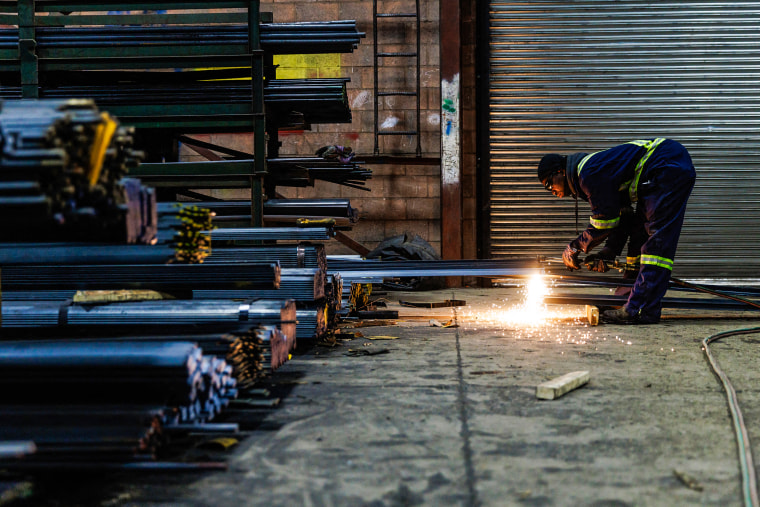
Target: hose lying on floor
(749,482)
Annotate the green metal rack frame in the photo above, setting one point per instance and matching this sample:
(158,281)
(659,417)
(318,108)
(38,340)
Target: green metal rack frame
(32,63)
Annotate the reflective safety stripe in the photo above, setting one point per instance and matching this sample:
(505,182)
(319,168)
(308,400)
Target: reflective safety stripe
(654,260)
(634,185)
(584,160)
(605,224)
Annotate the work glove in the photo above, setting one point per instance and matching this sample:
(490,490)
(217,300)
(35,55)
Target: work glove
(570,257)
(596,262)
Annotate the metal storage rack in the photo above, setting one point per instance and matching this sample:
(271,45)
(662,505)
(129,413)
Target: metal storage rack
(58,51)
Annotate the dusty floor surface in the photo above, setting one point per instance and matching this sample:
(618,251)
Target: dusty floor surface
(449,416)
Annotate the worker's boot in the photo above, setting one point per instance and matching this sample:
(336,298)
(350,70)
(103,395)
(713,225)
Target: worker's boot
(621,316)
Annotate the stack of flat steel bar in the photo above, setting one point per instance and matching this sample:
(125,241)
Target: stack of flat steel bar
(161,277)
(76,384)
(298,284)
(276,38)
(62,175)
(312,324)
(291,256)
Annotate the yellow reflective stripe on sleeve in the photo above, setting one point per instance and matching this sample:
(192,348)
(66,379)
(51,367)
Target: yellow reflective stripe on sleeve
(654,260)
(584,160)
(605,224)
(650,146)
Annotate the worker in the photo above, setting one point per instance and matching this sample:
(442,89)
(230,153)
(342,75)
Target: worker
(656,176)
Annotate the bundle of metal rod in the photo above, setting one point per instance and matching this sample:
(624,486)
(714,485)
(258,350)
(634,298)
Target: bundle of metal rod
(298,284)
(365,270)
(668,302)
(256,354)
(305,172)
(170,374)
(151,314)
(312,323)
(95,431)
(161,277)
(276,38)
(62,175)
(289,256)
(334,291)
(242,236)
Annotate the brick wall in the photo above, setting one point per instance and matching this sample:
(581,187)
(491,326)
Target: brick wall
(403,198)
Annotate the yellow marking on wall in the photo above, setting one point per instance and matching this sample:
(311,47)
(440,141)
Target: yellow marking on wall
(308,66)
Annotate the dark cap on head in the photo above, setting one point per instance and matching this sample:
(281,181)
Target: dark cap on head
(550,164)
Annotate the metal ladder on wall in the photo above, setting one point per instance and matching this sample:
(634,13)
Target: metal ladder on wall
(387,93)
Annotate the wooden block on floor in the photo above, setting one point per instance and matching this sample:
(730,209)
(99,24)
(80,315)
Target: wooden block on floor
(592,314)
(557,387)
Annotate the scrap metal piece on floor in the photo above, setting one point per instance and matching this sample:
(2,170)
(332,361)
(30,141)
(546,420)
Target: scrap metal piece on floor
(561,385)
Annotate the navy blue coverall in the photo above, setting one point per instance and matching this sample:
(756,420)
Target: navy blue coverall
(658,176)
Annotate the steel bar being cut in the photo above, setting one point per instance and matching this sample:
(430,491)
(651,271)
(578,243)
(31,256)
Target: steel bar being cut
(611,300)
(351,270)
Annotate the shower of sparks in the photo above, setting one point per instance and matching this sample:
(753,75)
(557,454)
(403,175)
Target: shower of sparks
(526,316)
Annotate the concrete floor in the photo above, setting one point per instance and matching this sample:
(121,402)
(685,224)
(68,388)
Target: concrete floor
(418,414)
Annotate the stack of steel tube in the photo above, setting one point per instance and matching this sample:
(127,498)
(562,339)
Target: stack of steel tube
(173,376)
(149,315)
(161,277)
(317,100)
(277,38)
(302,172)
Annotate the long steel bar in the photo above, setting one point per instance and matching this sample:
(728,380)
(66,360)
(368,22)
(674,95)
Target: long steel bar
(238,235)
(40,314)
(610,300)
(358,270)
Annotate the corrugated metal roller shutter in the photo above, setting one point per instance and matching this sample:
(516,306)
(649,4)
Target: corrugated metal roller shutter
(569,76)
